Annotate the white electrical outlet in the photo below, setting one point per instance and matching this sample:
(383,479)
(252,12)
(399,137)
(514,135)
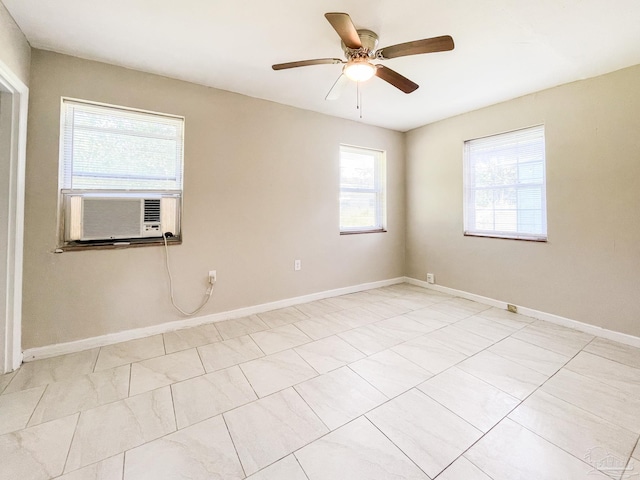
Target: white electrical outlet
(297,265)
(213,277)
(431,278)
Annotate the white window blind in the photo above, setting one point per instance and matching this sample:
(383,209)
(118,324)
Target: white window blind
(109,148)
(505,185)
(362,190)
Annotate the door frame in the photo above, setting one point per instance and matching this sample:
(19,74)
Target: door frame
(15,219)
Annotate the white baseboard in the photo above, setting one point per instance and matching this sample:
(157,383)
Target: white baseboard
(537,314)
(47,351)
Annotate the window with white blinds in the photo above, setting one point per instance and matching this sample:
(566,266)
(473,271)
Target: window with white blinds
(362,190)
(110,148)
(505,185)
(120,175)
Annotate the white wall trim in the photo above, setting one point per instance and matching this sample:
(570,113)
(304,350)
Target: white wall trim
(15,220)
(537,314)
(111,338)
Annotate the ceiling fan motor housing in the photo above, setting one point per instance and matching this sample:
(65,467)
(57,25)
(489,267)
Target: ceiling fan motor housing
(369,42)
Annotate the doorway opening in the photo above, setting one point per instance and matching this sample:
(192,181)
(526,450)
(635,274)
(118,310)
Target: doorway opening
(13,129)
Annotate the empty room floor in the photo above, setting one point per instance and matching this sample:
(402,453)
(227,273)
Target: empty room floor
(394,383)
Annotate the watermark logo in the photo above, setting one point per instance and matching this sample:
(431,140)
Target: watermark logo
(603,461)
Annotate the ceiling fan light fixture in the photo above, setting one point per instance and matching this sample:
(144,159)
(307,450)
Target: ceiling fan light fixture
(359,70)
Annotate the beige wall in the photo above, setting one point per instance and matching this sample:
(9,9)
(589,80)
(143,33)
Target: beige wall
(589,270)
(261,189)
(15,51)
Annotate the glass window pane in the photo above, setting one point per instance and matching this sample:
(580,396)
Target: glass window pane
(358,210)
(361,189)
(504,184)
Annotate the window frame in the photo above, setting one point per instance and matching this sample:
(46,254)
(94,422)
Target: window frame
(63,243)
(379,190)
(470,190)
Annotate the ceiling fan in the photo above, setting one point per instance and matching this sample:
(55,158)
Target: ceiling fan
(360,49)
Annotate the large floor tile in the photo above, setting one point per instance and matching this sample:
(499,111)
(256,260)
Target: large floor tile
(515,379)
(271,428)
(82,393)
(339,396)
(277,372)
(129,352)
(5,379)
(371,296)
(619,407)
(282,316)
(454,309)
(424,430)
(390,372)
(321,327)
(433,317)
(113,428)
(562,340)
(108,469)
(280,338)
(536,358)
(406,327)
(355,317)
(371,339)
(463,469)
(477,402)
(487,328)
(619,352)
(191,337)
(161,371)
(55,369)
(36,453)
(240,326)
(460,339)
(200,452)
(386,309)
(329,353)
(468,305)
(506,317)
(345,302)
(607,371)
(357,451)
(411,302)
(16,408)
(228,353)
(576,431)
(431,355)
(212,394)
(511,452)
(317,308)
(286,469)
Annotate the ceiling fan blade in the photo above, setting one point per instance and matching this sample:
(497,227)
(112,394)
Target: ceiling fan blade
(305,63)
(337,88)
(395,79)
(428,45)
(343,25)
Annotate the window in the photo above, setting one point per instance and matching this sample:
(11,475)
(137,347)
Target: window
(120,174)
(504,185)
(362,186)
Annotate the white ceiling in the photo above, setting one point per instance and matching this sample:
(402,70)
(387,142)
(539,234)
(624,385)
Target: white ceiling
(504,48)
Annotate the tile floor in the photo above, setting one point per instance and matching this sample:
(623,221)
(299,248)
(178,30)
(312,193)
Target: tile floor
(393,383)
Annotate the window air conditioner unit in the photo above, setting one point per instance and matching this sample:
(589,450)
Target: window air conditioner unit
(91,217)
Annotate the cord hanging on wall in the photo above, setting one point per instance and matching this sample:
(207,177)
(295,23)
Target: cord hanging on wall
(207,294)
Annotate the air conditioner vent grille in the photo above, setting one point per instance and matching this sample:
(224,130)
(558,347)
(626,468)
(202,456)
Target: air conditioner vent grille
(151,209)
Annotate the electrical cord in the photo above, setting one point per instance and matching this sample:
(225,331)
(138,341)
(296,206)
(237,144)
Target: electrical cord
(207,294)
